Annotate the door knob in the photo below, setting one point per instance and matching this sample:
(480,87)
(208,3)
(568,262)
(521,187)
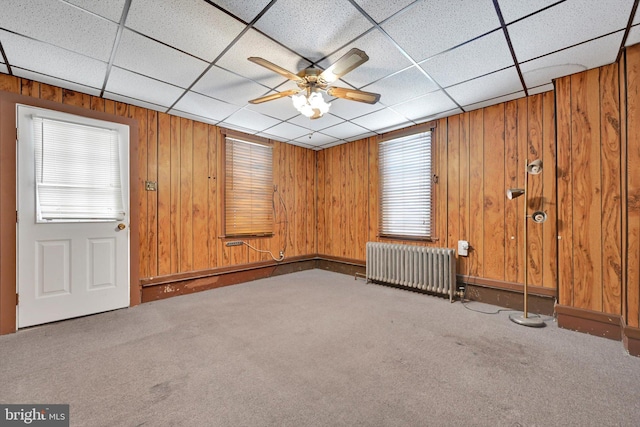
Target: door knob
(121,226)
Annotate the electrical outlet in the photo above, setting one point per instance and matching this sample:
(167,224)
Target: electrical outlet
(463,248)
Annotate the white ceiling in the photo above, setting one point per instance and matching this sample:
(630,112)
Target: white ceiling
(428,59)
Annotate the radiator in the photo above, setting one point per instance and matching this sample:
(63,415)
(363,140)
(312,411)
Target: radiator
(425,268)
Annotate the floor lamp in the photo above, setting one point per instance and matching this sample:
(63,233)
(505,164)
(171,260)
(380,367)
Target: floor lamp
(533,168)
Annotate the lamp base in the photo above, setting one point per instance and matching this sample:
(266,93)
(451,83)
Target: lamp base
(533,322)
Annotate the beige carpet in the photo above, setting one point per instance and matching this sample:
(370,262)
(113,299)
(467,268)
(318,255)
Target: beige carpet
(316,348)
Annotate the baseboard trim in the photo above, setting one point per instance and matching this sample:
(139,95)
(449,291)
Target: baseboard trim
(590,322)
(631,339)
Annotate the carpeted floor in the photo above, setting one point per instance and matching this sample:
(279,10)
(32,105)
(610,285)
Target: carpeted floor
(317,348)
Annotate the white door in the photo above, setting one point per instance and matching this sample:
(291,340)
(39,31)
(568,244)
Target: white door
(73,244)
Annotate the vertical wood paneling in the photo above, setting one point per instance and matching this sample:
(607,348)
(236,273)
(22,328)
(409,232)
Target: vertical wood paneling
(201,202)
(476,192)
(512,216)
(51,93)
(9,83)
(79,99)
(463,202)
(342,200)
(549,228)
(350,187)
(535,197)
(140,114)
(586,190)
(311,207)
(523,152)
(300,159)
(362,188)
(453,181)
(174,189)
(97,104)
(152,196)
(494,187)
(31,88)
(164,194)
(214,141)
(565,191)
(186,195)
(611,234)
(321,201)
(633,185)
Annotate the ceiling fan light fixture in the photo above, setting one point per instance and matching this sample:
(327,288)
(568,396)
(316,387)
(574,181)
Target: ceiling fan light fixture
(312,105)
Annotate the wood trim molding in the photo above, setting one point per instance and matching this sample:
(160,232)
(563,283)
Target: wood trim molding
(422,127)
(510,286)
(590,322)
(8,255)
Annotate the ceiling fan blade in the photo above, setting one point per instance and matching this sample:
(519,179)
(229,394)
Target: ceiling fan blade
(354,95)
(352,59)
(275,68)
(274,96)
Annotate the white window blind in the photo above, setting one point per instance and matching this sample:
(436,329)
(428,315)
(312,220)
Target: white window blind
(248,188)
(77,172)
(405,186)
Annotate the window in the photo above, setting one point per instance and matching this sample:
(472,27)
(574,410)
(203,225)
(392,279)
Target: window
(77,168)
(248,188)
(405,187)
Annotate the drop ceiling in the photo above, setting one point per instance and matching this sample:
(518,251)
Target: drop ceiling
(428,59)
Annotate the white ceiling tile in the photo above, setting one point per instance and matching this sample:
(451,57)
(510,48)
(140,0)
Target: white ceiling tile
(252,43)
(303,145)
(585,56)
(381,120)
(145,56)
(243,9)
(133,101)
(273,137)
(195,117)
(402,86)
(494,101)
(280,108)
(53,61)
(203,106)
(331,144)
(60,24)
(481,89)
(344,130)
(567,24)
(426,105)
(432,27)
(313,29)
(287,131)
(636,18)
(351,109)
(317,138)
(380,10)
(482,56)
(65,84)
(439,115)
(540,89)
(361,136)
(516,9)
(125,82)
(238,128)
(222,84)
(111,9)
(384,59)
(634,35)
(250,120)
(194,27)
(316,124)
(3,68)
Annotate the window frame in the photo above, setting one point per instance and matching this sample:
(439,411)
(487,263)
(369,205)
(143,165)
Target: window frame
(250,139)
(403,133)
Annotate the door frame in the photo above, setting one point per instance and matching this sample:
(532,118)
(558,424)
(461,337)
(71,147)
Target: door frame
(8,196)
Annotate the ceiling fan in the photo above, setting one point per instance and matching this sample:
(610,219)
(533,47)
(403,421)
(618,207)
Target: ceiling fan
(312,81)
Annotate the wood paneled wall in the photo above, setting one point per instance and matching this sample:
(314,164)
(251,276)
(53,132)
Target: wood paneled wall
(477,156)
(590,190)
(180,224)
(631,182)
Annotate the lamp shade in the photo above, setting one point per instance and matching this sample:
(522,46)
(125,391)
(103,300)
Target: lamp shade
(514,193)
(539,217)
(535,167)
